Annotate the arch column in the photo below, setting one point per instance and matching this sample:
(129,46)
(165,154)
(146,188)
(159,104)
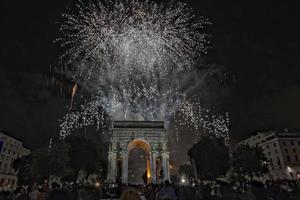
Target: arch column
(112,166)
(125,167)
(165,165)
(153,167)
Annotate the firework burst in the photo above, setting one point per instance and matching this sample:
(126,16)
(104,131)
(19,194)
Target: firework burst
(202,121)
(132,35)
(133,55)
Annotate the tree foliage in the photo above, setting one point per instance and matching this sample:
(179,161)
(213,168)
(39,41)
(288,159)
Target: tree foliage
(63,159)
(52,161)
(85,155)
(186,170)
(23,168)
(211,157)
(247,160)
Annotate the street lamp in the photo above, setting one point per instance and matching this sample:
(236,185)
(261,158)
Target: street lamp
(183,181)
(97,184)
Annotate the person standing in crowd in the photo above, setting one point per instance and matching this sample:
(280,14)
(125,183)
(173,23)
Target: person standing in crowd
(57,193)
(35,193)
(21,194)
(167,192)
(130,194)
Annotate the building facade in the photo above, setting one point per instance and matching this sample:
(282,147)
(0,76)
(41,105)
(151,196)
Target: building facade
(282,150)
(10,150)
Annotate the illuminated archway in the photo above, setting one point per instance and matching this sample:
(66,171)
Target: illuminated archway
(149,136)
(144,145)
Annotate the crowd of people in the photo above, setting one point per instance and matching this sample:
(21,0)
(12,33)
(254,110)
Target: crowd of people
(218,190)
(54,191)
(221,190)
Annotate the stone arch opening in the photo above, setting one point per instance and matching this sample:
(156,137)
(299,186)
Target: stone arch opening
(140,144)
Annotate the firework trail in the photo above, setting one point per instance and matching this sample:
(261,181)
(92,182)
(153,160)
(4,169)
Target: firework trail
(203,121)
(88,114)
(132,55)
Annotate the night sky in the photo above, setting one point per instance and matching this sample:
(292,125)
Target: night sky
(257,43)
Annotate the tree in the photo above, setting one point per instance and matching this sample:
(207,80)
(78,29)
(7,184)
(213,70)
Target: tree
(186,170)
(52,161)
(85,155)
(40,162)
(247,160)
(23,168)
(211,157)
(59,158)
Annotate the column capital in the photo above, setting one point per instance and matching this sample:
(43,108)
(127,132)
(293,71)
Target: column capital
(165,153)
(111,152)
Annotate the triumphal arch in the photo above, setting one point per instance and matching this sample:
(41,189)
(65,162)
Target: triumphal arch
(151,136)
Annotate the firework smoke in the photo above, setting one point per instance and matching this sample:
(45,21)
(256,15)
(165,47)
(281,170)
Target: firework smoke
(134,56)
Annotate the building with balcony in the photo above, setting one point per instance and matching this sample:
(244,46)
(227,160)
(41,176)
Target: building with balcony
(10,149)
(282,149)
